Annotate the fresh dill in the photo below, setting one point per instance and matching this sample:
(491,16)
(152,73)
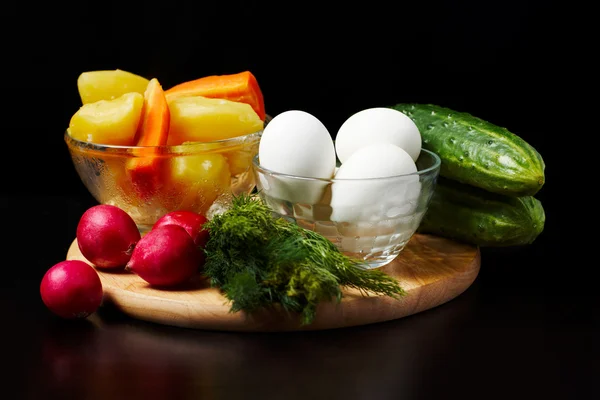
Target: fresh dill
(259,261)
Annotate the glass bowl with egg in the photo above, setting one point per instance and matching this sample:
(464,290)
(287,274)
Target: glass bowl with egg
(366,191)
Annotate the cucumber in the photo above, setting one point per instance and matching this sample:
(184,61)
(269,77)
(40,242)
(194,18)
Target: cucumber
(472,215)
(477,152)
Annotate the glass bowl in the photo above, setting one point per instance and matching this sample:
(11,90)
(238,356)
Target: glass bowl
(148,182)
(369,219)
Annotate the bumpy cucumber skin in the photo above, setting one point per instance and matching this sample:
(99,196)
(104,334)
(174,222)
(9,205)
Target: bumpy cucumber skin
(472,215)
(477,152)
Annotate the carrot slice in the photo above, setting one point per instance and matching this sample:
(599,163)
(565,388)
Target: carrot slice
(155,120)
(241,87)
(153,130)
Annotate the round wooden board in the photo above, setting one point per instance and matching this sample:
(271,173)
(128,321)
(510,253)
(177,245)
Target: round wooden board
(432,270)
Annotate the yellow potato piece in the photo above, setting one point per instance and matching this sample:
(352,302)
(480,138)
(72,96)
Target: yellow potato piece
(112,122)
(108,85)
(196,180)
(202,119)
(240,159)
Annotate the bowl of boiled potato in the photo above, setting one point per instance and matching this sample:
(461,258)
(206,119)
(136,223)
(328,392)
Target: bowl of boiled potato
(150,151)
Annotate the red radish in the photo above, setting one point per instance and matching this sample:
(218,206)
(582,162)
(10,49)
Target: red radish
(106,236)
(71,289)
(192,222)
(166,256)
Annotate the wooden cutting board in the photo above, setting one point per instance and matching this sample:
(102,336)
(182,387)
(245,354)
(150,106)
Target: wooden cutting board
(432,270)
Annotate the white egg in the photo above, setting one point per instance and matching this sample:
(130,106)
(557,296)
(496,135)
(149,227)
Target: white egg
(377,125)
(378,160)
(355,197)
(296,143)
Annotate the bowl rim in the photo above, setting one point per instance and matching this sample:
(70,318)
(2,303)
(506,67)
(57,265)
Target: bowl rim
(167,149)
(435,168)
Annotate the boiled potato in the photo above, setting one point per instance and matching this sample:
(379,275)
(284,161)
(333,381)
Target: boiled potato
(111,122)
(108,85)
(197,180)
(202,119)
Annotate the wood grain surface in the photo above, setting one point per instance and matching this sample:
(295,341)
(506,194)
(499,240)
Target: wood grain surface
(431,269)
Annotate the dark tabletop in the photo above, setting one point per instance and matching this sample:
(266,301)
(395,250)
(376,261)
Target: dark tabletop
(520,331)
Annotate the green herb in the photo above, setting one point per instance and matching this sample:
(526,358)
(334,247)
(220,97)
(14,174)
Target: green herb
(260,261)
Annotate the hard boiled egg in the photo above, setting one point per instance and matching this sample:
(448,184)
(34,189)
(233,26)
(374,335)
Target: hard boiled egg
(377,125)
(368,187)
(378,160)
(296,143)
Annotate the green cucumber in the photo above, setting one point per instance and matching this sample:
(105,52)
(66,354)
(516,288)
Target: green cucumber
(472,215)
(477,152)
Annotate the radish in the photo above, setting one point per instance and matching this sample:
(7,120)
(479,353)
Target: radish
(106,236)
(166,256)
(71,289)
(192,222)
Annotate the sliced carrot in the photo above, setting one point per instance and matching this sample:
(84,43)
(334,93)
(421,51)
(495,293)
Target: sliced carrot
(242,87)
(155,120)
(153,130)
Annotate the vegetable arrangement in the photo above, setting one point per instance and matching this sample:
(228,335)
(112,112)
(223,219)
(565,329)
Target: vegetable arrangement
(484,195)
(257,261)
(122,108)
(119,108)
(489,176)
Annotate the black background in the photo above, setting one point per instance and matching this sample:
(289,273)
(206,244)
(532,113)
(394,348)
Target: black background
(500,60)
(509,62)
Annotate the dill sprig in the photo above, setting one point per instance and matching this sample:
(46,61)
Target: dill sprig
(259,261)
(350,272)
